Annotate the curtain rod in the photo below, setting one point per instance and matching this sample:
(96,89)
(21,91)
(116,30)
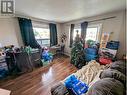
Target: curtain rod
(35,19)
(103,19)
(97,20)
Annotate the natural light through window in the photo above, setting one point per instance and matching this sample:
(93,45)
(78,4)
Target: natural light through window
(42,36)
(75,32)
(91,33)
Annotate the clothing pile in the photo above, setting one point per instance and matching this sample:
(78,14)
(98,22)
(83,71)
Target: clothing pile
(88,72)
(3,73)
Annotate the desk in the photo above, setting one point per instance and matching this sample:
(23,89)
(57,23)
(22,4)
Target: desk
(53,49)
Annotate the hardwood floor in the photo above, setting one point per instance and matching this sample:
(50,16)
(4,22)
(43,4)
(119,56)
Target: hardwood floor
(40,81)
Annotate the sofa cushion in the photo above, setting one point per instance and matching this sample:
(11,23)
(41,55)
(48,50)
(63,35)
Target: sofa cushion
(59,89)
(112,73)
(107,86)
(119,65)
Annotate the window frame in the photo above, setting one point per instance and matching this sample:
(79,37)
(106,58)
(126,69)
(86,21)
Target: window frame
(99,27)
(75,31)
(42,39)
(97,34)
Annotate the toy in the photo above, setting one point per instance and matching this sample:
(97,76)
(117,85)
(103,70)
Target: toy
(77,86)
(46,55)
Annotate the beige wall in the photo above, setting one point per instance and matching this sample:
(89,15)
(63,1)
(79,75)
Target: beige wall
(10,32)
(59,33)
(126,28)
(115,25)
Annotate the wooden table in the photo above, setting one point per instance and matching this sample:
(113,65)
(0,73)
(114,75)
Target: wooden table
(53,49)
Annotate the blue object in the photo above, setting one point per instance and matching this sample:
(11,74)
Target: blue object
(89,57)
(92,51)
(76,85)
(91,54)
(3,73)
(113,45)
(46,56)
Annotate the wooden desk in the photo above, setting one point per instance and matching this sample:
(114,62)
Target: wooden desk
(53,49)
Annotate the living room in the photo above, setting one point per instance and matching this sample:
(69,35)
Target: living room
(42,48)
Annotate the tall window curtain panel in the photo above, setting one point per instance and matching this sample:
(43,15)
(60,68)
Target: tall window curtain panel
(53,34)
(84,26)
(71,34)
(27,33)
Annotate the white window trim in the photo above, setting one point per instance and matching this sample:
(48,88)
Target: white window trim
(43,28)
(99,30)
(40,25)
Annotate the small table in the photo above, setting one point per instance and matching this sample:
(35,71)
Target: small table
(53,49)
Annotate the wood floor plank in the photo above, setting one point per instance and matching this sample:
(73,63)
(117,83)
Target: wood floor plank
(40,81)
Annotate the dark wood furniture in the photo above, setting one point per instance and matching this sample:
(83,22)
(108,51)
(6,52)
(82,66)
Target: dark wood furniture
(22,61)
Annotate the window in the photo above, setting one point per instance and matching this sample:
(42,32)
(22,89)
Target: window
(42,35)
(75,32)
(91,33)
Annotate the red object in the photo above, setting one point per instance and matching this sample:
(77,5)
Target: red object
(105,61)
(85,45)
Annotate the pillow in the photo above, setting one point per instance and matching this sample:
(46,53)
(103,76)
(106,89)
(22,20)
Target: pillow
(107,86)
(119,65)
(112,73)
(59,89)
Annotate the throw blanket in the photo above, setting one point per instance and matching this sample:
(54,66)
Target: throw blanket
(88,72)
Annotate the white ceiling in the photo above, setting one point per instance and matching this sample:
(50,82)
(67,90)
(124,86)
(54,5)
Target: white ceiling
(66,10)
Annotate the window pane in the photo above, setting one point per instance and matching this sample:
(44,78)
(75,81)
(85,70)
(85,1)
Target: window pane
(42,36)
(41,33)
(91,33)
(75,32)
